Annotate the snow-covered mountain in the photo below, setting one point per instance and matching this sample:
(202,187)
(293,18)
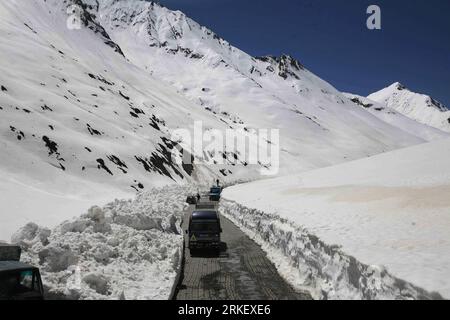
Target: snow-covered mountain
(397,119)
(419,107)
(245,91)
(78,123)
(87,115)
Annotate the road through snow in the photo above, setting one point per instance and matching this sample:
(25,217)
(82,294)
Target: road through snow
(241,272)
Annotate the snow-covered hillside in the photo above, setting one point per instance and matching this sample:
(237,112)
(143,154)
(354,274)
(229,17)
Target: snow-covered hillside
(79,125)
(397,119)
(419,107)
(390,210)
(87,115)
(319,126)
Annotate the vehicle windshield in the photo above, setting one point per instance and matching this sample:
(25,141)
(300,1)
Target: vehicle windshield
(215,190)
(212,226)
(17,283)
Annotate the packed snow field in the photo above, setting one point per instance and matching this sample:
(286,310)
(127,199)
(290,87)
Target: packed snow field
(129,249)
(389,210)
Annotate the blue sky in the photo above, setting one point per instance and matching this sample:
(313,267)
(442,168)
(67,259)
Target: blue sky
(330,37)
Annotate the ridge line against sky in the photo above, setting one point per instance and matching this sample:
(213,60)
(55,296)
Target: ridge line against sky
(331,38)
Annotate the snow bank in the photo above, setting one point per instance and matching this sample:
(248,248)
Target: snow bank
(390,210)
(310,264)
(129,249)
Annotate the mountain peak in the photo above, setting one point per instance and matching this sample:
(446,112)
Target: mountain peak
(398,86)
(286,65)
(285,59)
(417,106)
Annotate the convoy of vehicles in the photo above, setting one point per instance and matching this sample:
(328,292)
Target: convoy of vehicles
(204,227)
(18,280)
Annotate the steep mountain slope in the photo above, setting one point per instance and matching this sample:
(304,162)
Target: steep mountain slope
(88,115)
(419,107)
(78,123)
(397,119)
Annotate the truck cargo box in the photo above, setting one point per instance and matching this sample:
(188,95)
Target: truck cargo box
(205,205)
(9,252)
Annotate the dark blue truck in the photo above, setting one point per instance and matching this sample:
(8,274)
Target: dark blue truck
(204,230)
(214,193)
(18,280)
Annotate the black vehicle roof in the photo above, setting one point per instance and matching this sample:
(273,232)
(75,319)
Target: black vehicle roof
(6,266)
(205,215)
(205,205)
